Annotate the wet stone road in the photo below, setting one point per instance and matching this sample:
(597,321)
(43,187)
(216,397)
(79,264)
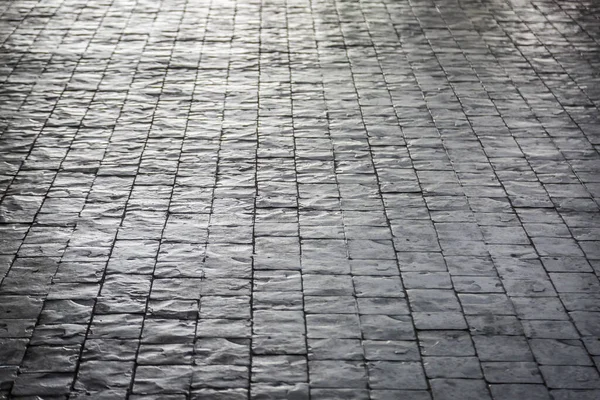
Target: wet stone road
(300,199)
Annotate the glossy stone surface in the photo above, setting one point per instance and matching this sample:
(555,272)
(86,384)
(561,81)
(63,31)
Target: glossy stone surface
(300,199)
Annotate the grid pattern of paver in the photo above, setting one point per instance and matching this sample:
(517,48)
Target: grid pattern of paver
(300,199)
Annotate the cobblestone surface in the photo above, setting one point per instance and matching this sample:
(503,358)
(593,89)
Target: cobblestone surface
(300,199)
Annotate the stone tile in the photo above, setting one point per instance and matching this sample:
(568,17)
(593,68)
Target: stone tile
(337,374)
(545,329)
(335,349)
(454,389)
(507,391)
(511,372)
(492,303)
(279,369)
(221,351)
(433,300)
(575,282)
(384,394)
(116,326)
(219,377)
(539,308)
(452,367)
(162,379)
(351,394)
(387,327)
(50,358)
(165,353)
(44,384)
(388,350)
(502,348)
(446,343)
(12,350)
(101,375)
(570,377)
(439,320)
(296,391)
(396,375)
(568,394)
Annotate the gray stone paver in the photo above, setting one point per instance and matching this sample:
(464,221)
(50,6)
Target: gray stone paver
(299,199)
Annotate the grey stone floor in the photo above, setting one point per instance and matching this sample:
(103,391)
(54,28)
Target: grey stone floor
(300,199)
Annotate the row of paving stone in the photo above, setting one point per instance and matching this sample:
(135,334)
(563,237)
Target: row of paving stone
(300,199)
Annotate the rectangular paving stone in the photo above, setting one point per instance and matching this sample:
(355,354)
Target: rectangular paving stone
(511,372)
(337,374)
(451,389)
(162,380)
(452,367)
(570,377)
(396,375)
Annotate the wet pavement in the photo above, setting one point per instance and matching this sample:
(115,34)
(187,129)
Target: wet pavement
(301,199)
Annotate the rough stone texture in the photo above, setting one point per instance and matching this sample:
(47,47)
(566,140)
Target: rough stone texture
(300,199)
